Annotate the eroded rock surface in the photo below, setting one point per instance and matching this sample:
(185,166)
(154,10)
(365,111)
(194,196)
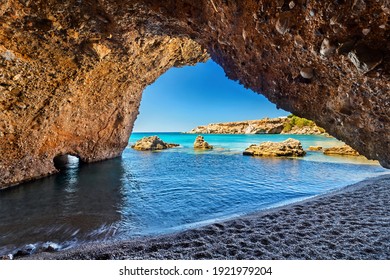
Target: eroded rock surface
(201,144)
(72,72)
(344,150)
(288,148)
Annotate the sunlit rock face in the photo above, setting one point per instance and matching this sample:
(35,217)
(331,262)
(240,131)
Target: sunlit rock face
(72,72)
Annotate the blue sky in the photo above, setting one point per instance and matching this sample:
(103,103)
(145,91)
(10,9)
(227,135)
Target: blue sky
(186,97)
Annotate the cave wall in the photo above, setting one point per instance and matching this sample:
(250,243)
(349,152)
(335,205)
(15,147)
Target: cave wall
(72,74)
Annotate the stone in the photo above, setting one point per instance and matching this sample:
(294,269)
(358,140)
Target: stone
(344,150)
(327,48)
(315,148)
(283,23)
(201,144)
(7,257)
(51,247)
(25,251)
(152,143)
(8,55)
(365,31)
(358,6)
(101,50)
(288,148)
(307,73)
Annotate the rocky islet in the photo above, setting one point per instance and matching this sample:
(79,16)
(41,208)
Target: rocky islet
(288,148)
(152,143)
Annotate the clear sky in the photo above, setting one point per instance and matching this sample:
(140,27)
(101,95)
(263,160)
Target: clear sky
(186,97)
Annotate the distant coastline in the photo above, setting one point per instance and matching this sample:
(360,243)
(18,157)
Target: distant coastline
(282,125)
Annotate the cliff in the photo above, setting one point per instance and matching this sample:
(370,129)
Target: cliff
(72,72)
(284,125)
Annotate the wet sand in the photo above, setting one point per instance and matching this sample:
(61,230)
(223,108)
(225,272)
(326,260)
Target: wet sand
(350,223)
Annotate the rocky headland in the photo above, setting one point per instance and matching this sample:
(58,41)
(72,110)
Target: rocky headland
(152,143)
(282,125)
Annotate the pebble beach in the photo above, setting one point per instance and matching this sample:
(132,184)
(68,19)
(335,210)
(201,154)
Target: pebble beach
(350,223)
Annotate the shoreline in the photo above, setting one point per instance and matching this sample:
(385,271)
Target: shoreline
(348,223)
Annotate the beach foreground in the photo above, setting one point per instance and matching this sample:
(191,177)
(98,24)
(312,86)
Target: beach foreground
(350,223)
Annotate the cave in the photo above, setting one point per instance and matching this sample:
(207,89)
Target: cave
(72,73)
(64,162)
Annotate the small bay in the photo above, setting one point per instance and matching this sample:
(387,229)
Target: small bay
(152,193)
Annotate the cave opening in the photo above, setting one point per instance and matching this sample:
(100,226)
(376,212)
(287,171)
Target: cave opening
(186,97)
(66,161)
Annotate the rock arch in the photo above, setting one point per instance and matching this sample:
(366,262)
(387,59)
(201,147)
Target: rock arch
(72,72)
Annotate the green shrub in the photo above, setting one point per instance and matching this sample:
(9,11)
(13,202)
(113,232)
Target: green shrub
(287,127)
(296,121)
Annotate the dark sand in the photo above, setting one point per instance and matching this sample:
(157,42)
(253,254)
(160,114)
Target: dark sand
(351,223)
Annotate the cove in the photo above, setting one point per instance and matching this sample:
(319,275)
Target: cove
(152,193)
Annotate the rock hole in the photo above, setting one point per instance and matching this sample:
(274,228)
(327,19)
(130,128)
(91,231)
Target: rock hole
(63,162)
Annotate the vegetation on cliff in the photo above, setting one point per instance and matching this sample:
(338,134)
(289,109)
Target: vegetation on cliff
(294,122)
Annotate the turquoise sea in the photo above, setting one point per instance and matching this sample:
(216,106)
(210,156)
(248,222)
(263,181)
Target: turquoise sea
(151,193)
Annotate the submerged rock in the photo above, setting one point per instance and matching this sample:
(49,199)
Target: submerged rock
(7,257)
(152,143)
(342,150)
(51,247)
(315,148)
(200,143)
(288,148)
(25,251)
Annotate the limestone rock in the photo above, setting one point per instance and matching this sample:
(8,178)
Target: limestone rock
(263,126)
(287,148)
(344,150)
(201,144)
(306,130)
(152,143)
(315,148)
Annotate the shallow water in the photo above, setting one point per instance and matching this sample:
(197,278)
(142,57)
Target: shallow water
(147,193)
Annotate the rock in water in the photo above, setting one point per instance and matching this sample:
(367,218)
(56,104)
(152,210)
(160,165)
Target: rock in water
(200,143)
(152,143)
(315,148)
(343,151)
(287,148)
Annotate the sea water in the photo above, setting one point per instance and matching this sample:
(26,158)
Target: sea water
(152,193)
